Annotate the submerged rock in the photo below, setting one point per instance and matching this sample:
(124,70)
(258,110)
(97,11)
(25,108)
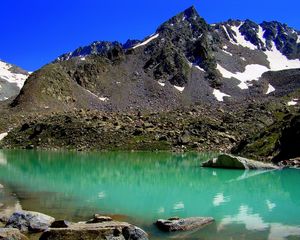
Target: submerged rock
(234,162)
(104,230)
(184,224)
(11,234)
(27,221)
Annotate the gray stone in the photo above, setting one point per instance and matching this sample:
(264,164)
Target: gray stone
(11,234)
(111,230)
(184,224)
(27,221)
(234,162)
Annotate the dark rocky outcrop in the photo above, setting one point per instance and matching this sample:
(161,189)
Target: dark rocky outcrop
(11,234)
(104,230)
(183,224)
(235,162)
(277,142)
(27,221)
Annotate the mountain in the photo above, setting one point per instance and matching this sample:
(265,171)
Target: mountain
(12,79)
(227,87)
(185,62)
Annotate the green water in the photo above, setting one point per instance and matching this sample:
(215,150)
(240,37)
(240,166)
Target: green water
(142,187)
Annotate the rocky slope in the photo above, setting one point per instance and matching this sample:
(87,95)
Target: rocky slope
(185,62)
(12,79)
(198,129)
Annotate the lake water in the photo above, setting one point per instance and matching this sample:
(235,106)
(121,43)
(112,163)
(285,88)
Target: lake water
(142,187)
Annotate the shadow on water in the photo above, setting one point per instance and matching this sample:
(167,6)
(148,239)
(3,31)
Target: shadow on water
(142,187)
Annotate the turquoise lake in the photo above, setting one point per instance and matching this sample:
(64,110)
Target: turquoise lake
(142,187)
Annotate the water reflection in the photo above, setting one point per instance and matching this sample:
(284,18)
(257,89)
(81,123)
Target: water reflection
(147,186)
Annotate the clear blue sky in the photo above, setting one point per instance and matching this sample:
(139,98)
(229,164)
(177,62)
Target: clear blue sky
(34,32)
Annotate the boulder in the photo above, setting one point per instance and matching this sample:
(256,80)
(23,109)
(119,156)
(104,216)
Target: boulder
(103,230)
(184,224)
(234,162)
(11,234)
(291,163)
(27,221)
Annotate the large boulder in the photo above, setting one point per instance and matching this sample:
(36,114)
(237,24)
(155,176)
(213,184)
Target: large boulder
(234,162)
(101,230)
(11,234)
(27,221)
(184,224)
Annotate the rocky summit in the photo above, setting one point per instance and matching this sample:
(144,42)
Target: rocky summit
(188,86)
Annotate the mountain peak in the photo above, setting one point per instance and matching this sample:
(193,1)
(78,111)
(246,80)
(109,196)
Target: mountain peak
(190,12)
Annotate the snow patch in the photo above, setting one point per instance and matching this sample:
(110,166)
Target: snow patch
(244,59)
(147,41)
(3,135)
(298,39)
(82,59)
(199,68)
(196,66)
(225,29)
(293,102)
(252,72)
(225,47)
(161,83)
(241,39)
(280,62)
(180,89)
(220,95)
(260,35)
(6,74)
(270,89)
(103,99)
(228,53)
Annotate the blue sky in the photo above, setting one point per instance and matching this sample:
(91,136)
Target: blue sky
(34,32)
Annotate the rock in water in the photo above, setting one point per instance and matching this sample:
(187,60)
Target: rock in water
(184,224)
(11,234)
(104,230)
(234,162)
(27,221)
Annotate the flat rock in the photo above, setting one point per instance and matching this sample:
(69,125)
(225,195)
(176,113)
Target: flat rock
(98,219)
(27,221)
(11,234)
(104,230)
(235,162)
(183,224)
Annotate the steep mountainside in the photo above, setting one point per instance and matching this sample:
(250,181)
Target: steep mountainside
(12,79)
(185,62)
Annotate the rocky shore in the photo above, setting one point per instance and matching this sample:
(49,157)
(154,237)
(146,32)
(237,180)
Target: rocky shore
(191,129)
